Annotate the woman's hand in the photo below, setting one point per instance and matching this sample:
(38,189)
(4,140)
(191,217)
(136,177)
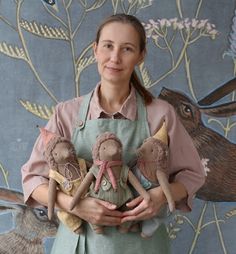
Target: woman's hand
(98,212)
(142,209)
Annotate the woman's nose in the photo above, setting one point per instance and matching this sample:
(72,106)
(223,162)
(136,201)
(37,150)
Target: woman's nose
(115,55)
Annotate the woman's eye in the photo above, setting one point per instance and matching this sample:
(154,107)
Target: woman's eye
(127,49)
(108,46)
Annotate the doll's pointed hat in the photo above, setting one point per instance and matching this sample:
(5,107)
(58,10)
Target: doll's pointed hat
(47,135)
(162,134)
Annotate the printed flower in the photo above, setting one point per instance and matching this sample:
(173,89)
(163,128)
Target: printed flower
(204,162)
(191,26)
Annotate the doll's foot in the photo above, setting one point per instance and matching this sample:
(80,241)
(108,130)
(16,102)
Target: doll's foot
(134,228)
(144,236)
(123,230)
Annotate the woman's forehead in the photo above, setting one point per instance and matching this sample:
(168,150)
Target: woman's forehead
(119,31)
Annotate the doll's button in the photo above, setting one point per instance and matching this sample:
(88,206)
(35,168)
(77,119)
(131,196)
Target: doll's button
(104,182)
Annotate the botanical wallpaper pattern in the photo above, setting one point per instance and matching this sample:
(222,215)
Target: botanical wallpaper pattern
(46,57)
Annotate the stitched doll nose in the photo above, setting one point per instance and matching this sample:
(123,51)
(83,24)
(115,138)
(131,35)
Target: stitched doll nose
(113,151)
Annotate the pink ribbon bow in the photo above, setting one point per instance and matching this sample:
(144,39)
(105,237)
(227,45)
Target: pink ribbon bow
(106,166)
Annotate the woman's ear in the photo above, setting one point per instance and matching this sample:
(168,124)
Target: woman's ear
(142,56)
(95,49)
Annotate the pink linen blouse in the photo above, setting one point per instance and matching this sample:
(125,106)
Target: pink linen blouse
(185,165)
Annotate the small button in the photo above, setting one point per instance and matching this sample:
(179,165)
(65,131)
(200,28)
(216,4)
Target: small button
(104,182)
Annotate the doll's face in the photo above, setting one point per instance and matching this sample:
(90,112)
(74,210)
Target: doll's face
(148,151)
(153,155)
(110,150)
(63,152)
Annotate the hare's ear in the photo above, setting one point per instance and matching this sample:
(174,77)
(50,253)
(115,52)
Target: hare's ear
(219,93)
(223,110)
(11,195)
(7,207)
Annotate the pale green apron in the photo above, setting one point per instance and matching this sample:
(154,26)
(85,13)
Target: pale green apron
(131,133)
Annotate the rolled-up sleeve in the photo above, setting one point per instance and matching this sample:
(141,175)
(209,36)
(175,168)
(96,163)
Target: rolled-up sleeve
(184,162)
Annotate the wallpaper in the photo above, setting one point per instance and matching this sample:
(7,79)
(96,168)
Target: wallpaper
(46,57)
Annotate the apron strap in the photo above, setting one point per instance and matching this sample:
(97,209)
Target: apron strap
(83,111)
(142,112)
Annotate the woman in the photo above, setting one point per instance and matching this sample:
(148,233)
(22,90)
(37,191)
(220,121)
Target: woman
(119,104)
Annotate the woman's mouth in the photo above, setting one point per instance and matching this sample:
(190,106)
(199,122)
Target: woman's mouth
(113,69)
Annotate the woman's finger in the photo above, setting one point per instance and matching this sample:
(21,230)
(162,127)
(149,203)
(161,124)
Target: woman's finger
(106,204)
(138,209)
(141,216)
(134,202)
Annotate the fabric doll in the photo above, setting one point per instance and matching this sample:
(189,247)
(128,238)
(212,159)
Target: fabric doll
(152,171)
(65,172)
(108,177)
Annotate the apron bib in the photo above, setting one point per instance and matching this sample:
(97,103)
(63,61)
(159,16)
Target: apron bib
(131,134)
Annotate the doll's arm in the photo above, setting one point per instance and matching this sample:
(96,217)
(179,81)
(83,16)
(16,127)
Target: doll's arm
(84,186)
(52,193)
(164,183)
(137,185)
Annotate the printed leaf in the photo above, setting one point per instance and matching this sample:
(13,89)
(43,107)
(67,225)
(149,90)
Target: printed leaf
(231,213)
(12,51)
(97,4)
(115,5)
(84,62)
(43,112)
(145,76)
(44,30)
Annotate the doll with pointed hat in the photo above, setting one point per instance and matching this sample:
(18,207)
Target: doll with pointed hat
(152,171)
(65,172)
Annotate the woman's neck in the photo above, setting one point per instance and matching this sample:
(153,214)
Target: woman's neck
(112,97)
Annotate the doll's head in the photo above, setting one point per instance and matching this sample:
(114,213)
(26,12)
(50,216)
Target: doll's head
(107,147)
(58,150)
(153,154)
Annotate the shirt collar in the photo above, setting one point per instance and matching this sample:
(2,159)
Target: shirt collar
(128,110)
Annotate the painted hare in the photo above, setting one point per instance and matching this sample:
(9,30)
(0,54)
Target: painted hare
(31,225)
(218,153)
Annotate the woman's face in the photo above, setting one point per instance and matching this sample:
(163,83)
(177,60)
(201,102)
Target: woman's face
(117,52)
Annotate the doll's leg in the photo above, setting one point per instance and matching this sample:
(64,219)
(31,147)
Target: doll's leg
(151,225)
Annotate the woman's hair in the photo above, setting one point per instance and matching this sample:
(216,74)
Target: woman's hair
(132,20)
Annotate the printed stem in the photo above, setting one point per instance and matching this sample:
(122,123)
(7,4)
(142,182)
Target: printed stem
(115,5)
(89,47)
(188,73)
(5,175)
(219,230)
(180,58)
(198,229)
(7,22)
(178,3)
(55,16)
(71,45)
(19,3)
(198,8)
